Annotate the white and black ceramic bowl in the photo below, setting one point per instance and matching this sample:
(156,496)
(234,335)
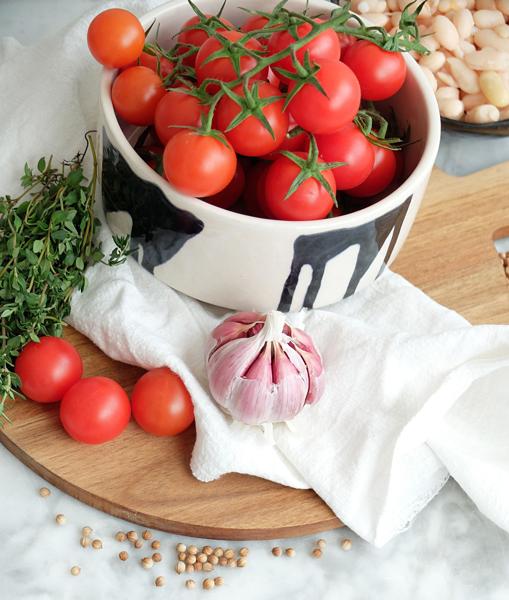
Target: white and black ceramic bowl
(244,262)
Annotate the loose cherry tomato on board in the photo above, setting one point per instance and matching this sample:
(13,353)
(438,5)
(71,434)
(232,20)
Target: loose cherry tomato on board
(223,68)
(195,36)
(310,201)
(251,137)
(380,73)
(198,164)
(48,368)
(135,94)
(161,403)
(177,107)
(95,410)
(325,46)
(351,146)
(232,192)
(115,38)
(317,113)
(381,176)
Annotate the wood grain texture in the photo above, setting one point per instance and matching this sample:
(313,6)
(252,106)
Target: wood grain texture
(146,480)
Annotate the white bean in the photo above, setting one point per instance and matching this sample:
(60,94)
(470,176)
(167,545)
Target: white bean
(467,78)
(504,113)
(381,6)
(470,4)
(502,31)
(467,47)
(445,32)
(430,42)
(494,88)
(488,59)
(485,113)
(464,22)
(377,19)
(445,92)
(458,53)
(486,38)
(444,6)
(459,4)
(430,77)
(472,100)
(503,6)
(487,19)
(446,79)
(485,5)
(451,108)
(434,61)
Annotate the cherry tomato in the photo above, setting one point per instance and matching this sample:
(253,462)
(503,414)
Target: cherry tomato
(251,137)
(177,108)
(317,113)
(115,38)
(351,146)
(48,368)
(161,403)
(254,192)
(291,144)
(223,68)
(380,73)
(196,37)
(325,46)
(232,192)
(150,61)
(197,164)
(135,94)
(95,410)
(310,201)
(346,41)
(254,23)
(384,170)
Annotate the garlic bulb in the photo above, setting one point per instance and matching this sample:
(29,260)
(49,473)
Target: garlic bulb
(263,370)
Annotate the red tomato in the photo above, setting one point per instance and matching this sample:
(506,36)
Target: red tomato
(351,146)
(346,40)
(380,73)
(197,164)
(95,410)
(48,368)
(177,108)
(251,137)
(310,201)
(291,144)
(232,192)
(223,68)
(384,170)
(115,38)
(161,403)
(254,192)
(135,94)
(317,113)
(325,46)
(196,37)
(254,23)
(150,61)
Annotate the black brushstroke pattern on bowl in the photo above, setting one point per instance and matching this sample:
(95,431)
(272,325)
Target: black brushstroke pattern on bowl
(499,128)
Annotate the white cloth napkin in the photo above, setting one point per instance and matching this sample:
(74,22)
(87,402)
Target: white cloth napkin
(413,391)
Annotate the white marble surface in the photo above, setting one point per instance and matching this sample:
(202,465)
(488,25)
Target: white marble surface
(451,552)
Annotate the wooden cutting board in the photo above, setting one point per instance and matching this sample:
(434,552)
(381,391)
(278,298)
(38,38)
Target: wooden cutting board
(146,480)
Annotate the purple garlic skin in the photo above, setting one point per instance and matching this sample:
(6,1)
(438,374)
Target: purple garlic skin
(261,369)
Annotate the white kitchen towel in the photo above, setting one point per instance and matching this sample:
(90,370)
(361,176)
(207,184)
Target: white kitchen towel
(413,391)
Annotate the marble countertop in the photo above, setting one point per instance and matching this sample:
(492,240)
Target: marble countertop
(451,552)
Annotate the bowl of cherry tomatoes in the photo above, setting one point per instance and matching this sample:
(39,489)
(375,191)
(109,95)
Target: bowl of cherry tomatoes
(264,157)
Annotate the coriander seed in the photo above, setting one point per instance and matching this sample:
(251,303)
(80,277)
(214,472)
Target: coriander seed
(202,557)
(61,520)
(317,553)
(191,559)
(192,550)
(97,545)
(156,544)
(213,559)
(207,550)
(181,567)
(207,567)
(123,555)
(321,543)
(242,561)
(190,584)
(276,551)
(346,544)
(181,547)
(231,562)
(218,581)
(86,531)
(147,563)
(223,561)
(120,536)
(132,536)
(160,581)
(138,544)
(75,571)
(243,551)
(182,555)
(44,492)
(156,557)
(290,552)
(189,568)
(208,584)
(218,552)
(85,542)
(229,553)
(198,566)
(147,535)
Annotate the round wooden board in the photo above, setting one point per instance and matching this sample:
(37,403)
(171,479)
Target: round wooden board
(147,480)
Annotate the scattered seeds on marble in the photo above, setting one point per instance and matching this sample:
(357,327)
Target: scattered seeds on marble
(181,547)
(156,557)
(208,584)
(132,536)
(120,536)
(123,555)
(181,567)
(156,544)
(147,535)
(61,520)
(44,492)
(85,542)
(190,584)
(242,562)
(276,551)
(75,571)
(160,581)
(243,551)
(218,581)
(138,544)
(97,545)
(317,553)
(346,544)
(290,552)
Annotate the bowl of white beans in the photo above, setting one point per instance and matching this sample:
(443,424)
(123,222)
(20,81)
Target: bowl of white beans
(468,61)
